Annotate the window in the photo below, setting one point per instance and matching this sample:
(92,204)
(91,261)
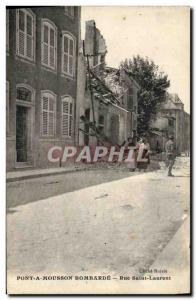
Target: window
(7,107)
(7,30)
(170,122)
(69,11)
(48,113)
(68,54)
(67,107)
(49,44)
(25,33)
(130,98)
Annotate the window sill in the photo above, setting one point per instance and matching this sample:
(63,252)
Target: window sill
(47,139)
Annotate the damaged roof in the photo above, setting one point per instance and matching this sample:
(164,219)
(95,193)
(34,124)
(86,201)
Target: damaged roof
(102,92)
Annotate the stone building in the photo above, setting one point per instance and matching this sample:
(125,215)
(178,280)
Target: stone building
(170,120)
(187,133)
(107,96)
(41,82)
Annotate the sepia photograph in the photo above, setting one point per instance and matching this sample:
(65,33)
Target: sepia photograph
(98,150)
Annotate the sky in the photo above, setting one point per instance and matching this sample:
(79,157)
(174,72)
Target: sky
(160,33)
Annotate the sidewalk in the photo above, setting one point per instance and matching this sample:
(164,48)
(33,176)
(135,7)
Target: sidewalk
(34,173)
(28,174)
(175,258)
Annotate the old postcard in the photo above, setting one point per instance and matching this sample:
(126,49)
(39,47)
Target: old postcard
(98,150)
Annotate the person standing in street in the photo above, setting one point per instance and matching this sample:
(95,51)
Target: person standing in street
(170,154)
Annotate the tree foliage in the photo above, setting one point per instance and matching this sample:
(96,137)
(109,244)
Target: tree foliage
(153,85)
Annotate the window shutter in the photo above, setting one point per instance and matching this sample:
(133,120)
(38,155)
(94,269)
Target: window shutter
(67,116)
(45,115)
(48,114)
(68,55)
(51,116)
(71,65)
(65,124)
(25,33)
(45,38)
(51,123)
(21,49)
(65,54)
(49,45)
(29,46)
(70,119)
(21,32)
(70,125)
(45,54)
(52,57)
(29,38)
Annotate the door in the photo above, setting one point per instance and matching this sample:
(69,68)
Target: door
(21,133)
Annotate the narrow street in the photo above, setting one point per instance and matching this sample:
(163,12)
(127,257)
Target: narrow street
(115,227)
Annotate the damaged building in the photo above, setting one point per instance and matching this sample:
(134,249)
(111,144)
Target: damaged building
(107,97)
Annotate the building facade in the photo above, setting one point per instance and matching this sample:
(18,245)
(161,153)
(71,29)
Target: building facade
(41,82)
(171,120)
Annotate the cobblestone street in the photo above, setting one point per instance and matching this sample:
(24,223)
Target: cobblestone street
(114,228)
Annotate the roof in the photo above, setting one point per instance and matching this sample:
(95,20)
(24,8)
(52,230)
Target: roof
(172,102)
(174,98)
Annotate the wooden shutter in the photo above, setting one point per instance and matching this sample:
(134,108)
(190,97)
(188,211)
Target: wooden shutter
(45,46)
(68,55)
(65,54)
(51,116)
(29,36)
(49,45)
(48,114)
(25,34)
(70,118)
(21,32)
(45,107)
(52,47)
(71,52)
(65,119)
(67,116)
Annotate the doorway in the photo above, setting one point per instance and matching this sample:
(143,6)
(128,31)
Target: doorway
(21,133)
(114,129)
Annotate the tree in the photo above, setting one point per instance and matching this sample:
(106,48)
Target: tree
(153,85)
